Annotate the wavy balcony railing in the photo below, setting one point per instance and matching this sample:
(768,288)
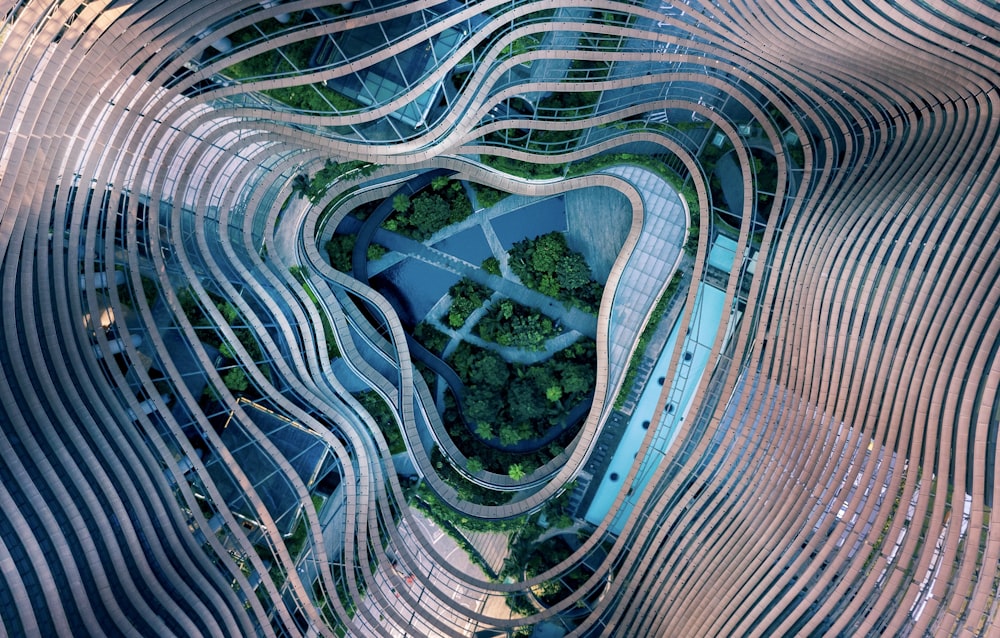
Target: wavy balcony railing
(836,474)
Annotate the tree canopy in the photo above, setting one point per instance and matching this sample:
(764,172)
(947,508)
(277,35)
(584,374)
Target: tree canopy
(520,402)
(401,203)
(466,297)
(428,211)
(548,265)
(511,324)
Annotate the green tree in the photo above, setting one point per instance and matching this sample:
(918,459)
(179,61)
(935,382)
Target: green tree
(543,377)
(573,271)
(510,435)
(516,472)
(236,380)
(482,404)
(492,266)
(553,393)
(531,331)
(546,264)
(376,251)
(484,430)
(548,285)
(576,378)
(548,250)
(491,371)
(489,196)
(506,308)
(430,214)
(439,182)
(516,326)
(401,203)
(526,402)
(466,297)
(455,319)
(474,466)
(463,359)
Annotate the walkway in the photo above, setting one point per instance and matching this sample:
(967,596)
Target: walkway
(436,318)
(656,255)
(571,318)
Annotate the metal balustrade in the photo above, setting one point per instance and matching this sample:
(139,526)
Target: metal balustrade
(835,474)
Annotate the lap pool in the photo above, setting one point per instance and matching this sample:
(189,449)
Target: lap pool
(708,315)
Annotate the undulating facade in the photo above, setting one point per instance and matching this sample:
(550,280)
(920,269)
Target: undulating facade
(787,423)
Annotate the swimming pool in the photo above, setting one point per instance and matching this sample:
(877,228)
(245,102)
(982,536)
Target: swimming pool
(469,244)
(709,308)
(528,222)
(723,253)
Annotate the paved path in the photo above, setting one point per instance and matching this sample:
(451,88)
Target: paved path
(365,230)
(571,318)
(656,255)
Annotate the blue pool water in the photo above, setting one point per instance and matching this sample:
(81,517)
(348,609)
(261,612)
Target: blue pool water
(470,245)
(413,287)
(530,221)
(694,361)
(723,253)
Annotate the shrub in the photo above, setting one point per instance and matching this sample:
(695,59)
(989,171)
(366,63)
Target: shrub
(486,196)
(466,297)
(492,266)
(511,324)
(547,264)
